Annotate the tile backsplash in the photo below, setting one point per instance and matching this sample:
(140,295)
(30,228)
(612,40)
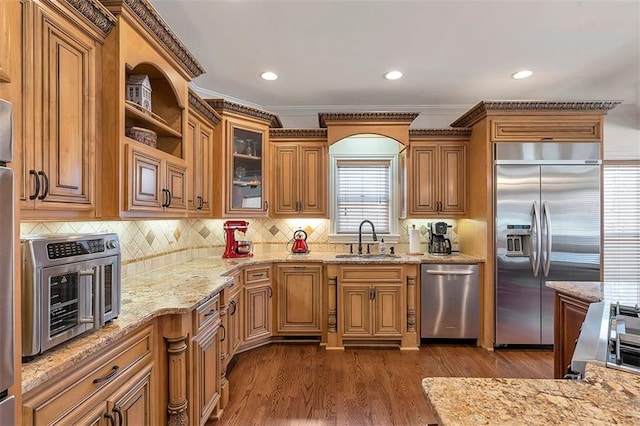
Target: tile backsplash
(149,244)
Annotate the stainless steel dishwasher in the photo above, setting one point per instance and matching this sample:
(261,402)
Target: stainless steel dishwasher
(450,298)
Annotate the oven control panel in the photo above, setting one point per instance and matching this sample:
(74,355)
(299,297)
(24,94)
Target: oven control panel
(63,249)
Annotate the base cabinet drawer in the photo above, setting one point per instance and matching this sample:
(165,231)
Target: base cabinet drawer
(84,394)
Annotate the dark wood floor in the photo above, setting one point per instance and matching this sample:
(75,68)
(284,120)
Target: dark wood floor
(303,384)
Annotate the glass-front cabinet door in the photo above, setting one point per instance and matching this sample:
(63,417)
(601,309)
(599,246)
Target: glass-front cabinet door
(247,192)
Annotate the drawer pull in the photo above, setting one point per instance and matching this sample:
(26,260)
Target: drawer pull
(114,371)
(258,276)
(211,312)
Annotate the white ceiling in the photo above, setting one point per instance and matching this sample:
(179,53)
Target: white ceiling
(333,53)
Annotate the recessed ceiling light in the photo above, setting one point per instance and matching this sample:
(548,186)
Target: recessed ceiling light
(393,75)
(268,75)
(522,74)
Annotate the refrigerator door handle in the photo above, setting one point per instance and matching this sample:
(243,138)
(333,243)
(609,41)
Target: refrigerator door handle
(535,239)
(546,214)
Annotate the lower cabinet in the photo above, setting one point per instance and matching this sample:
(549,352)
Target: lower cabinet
(205,376)
(298,299)
(258,308)
(114,387)
(570,313)
(371,302)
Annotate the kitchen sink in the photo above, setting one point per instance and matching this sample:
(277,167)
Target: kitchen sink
(367,256)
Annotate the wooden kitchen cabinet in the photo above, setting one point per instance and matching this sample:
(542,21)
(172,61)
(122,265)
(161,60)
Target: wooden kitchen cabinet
(547,129)
(372,302)
(206,363)
(199,151)
(156,182)
(437,182)
(143,179)
(62,80)
(298,299)
(232,321)
(258,307)
(243,160)
(117,382)
(570,313)
(299,171)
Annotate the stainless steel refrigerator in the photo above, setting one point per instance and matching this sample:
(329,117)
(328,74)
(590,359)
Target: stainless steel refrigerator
(547,228)
(7,401)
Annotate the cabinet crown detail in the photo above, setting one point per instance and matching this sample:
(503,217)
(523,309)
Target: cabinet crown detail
(481,108)
(203,108)
(297,133)
(460,132)
(95,13)
(365,116)
(223,106)
(148,16)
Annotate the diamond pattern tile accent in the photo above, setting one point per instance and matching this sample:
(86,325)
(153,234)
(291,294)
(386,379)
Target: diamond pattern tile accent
(150,237)
(176,234)
(274,230)
(204,232)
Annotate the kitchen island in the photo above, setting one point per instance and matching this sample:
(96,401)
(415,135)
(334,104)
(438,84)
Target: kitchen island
(603,396)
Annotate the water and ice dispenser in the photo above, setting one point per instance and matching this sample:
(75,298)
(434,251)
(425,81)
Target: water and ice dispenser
(519,240)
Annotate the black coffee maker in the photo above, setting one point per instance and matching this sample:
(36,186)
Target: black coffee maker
(438,243)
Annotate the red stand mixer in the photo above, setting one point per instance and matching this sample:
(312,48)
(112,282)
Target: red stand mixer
(236,248)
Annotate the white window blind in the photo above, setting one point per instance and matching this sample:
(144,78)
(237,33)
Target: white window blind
(621,217)
(363,191)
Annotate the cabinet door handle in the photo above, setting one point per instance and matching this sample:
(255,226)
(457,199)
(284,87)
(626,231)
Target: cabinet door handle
(235,307)
(110,418)
(266,206)
(224,331)
(374,293)
(37,188)
(170,198)
(164,192)
(270,290)
(45,180)
(119,413)
(112,373)
(198,203)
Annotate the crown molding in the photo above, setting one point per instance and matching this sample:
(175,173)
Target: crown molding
(446,133)
(297,133)
(153,22)
(323,117)
(483,107)
(95,13)
(223,105)
(203,108)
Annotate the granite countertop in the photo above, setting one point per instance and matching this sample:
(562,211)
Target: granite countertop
(179,289)
(605,396)
(597,291)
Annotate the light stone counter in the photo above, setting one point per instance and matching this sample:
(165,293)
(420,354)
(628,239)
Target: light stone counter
(596,291)
(179,289)
(605,396)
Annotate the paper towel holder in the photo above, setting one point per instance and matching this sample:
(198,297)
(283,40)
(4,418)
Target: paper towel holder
(414,241)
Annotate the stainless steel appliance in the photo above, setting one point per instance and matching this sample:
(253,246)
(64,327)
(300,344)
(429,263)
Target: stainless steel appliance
(70,285)
(7,402)
(439,244)
(450,301)
(610,336)
(547,227)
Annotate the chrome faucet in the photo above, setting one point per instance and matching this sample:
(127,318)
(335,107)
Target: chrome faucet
(373,229)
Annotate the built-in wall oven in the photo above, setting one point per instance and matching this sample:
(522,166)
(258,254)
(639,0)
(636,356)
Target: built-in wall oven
(70,286)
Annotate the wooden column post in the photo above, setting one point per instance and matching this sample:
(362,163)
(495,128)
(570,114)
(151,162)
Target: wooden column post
(177,407)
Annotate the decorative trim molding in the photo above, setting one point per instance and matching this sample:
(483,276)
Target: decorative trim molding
(323,117)
(95,13)
(460,132)
(151,20)
(297,133)
(222,106)
(203,108)
(482,107)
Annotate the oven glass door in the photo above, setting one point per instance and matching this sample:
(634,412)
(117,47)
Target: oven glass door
(110,300)
(69,299)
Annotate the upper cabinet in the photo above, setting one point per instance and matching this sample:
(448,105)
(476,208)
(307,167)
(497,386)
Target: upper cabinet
(243,172)
(62,93)
(144,169)
(299,172)
(7,22)
(437,183)
(199,149)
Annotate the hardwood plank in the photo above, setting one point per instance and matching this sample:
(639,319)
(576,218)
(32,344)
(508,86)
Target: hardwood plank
(303,384)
